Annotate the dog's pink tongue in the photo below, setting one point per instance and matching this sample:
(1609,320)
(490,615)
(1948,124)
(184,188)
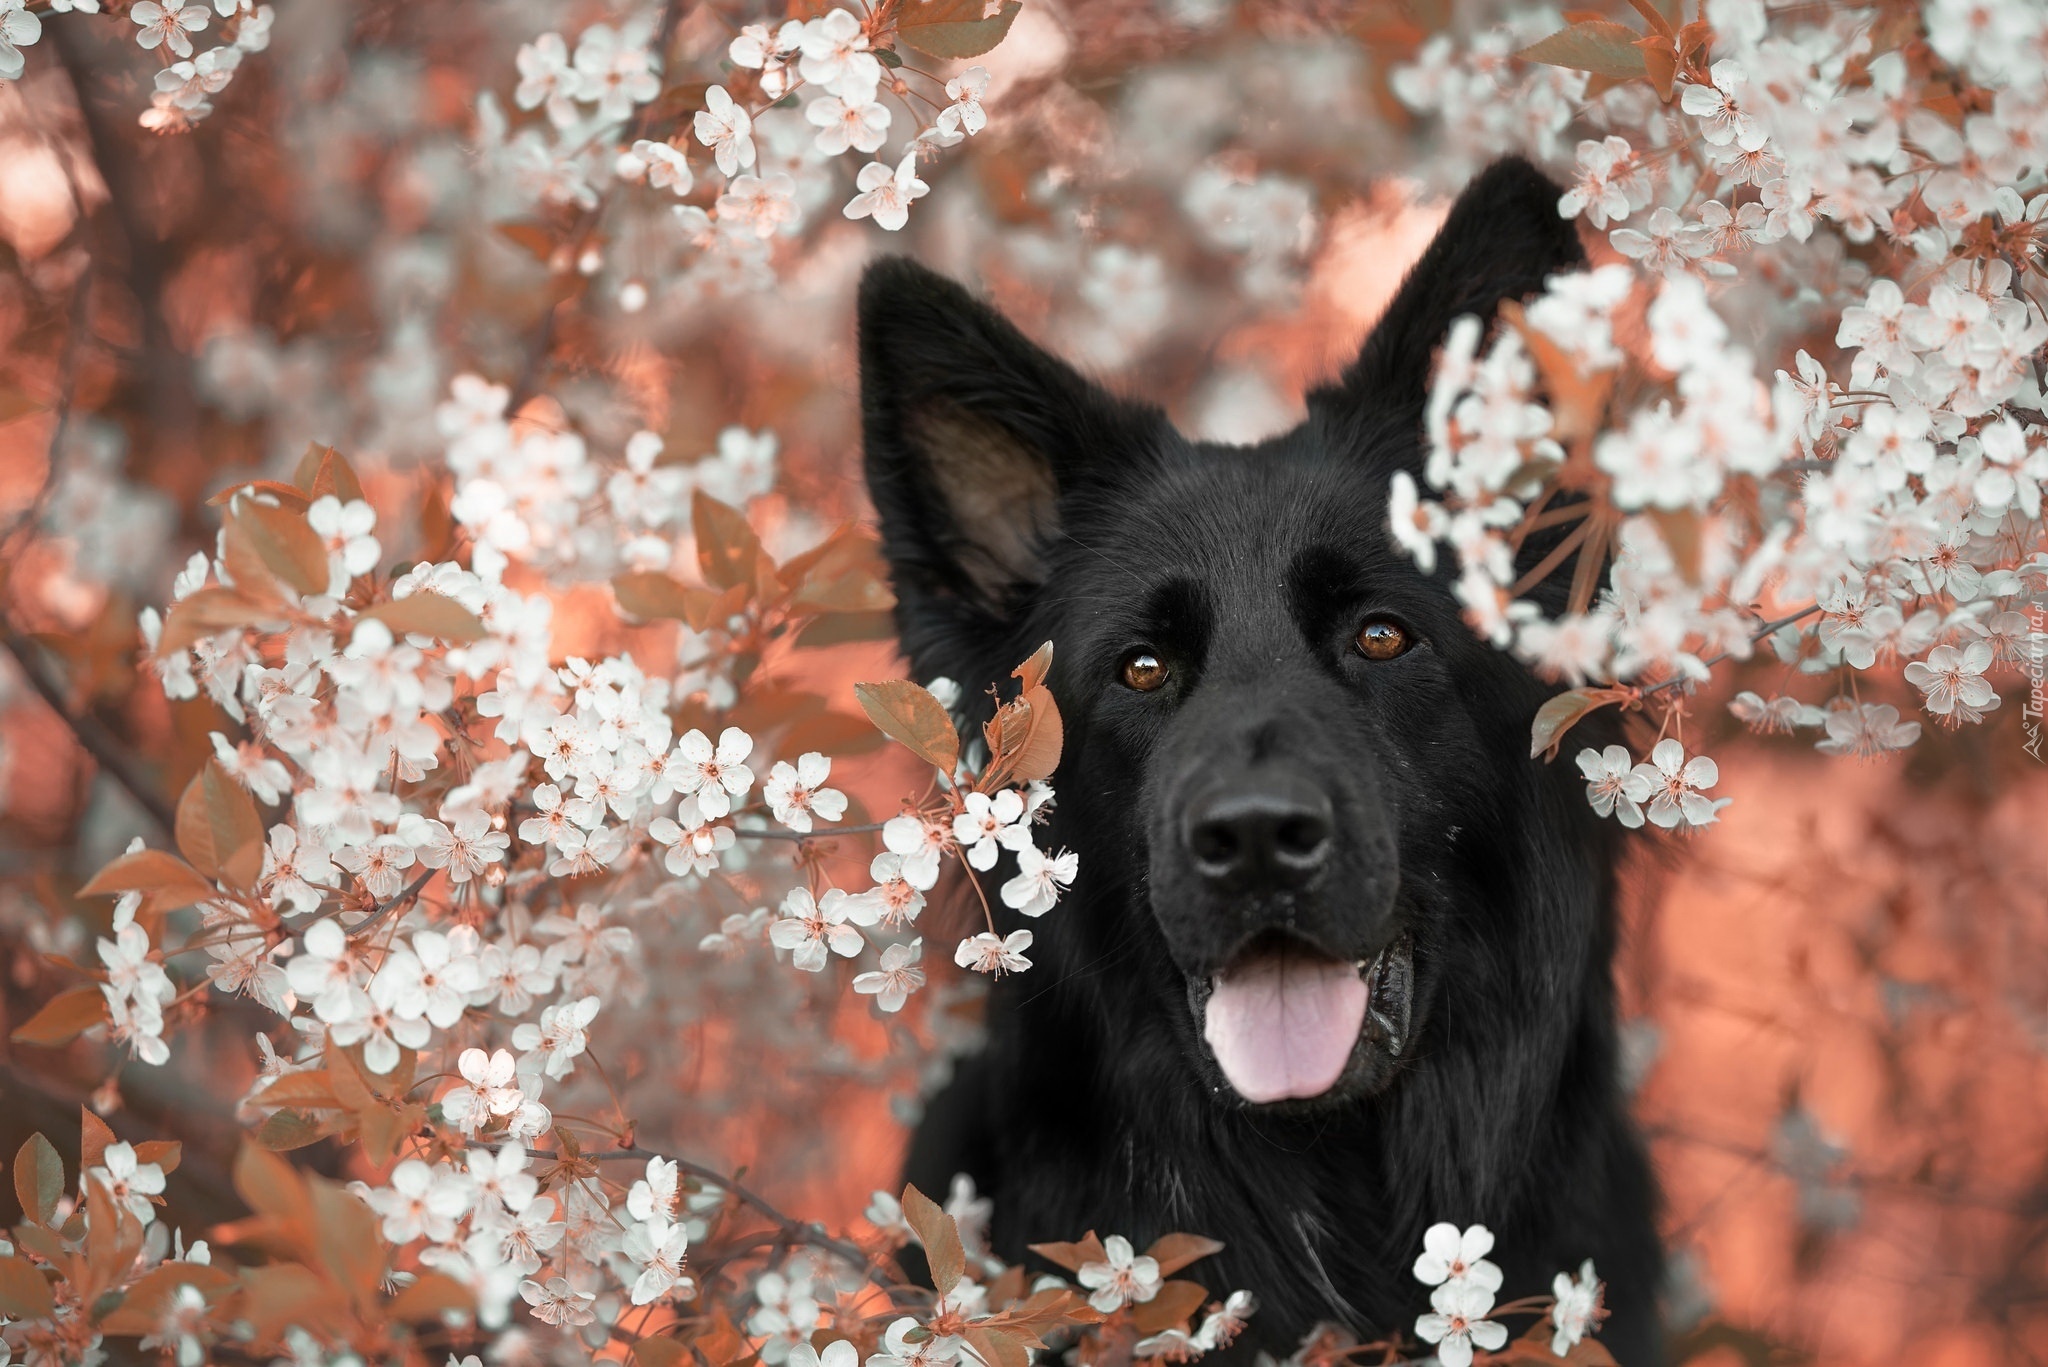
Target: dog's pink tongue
(1283,1025)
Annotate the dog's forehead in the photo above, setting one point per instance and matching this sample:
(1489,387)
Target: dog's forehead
(1245,514)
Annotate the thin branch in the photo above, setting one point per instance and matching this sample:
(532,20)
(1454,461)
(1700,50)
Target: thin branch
(407,895)
(1757,636)
(109,751)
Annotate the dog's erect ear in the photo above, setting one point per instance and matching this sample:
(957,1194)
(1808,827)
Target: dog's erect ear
(1502,239)
(973,433)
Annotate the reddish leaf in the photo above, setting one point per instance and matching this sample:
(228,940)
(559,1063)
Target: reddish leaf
(62,1019)
(291,496)
(1175,1251)
(274,1188)
(141,1310)
(838,628)
(842,574)
(940,1236)
(94,1136)
(347,1239)
(24,1294)
(1024,740)
(165,1153)
(168,881)
(288,547)
(996,1348)
(1565,711)
(643,593)
(1170,1307)
(1034,670)
(210,611)
(1595,45)
(38,1179)
(301,1089)
(833,733)
(954,28)
(728,552)
(431,1295)
(535,241)
(324,470)
(658,1352)
(219,828)
(292,1129)
(1073,1256)
(911,715)
(428,614)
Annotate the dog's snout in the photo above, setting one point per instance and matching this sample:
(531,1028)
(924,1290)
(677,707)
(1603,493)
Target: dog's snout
(1273,832)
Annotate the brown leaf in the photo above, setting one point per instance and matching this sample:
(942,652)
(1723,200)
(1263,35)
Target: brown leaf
(274,1188)
(940,1236)
(658,1352)
(954,28)
(24,1294)
(428,614)
(844,573)
(168,881)
(1073,1256)
(165,1153)
(93,1138)
(909,713)
(838,628)
(996,1348)
(62,1019)
(1034,670)
(38,1178)
(1024,739)
(644,593)
(324,470)
(210,611)
(346,1239)
(289,548)
(312,1088)
(1565,711)
(1595,45)
(219,828)
(728,552)
(431,1295)
(290,1129)
(1170,1307)
(142,1308)
(834,733)
(290,495)
(1175,1251)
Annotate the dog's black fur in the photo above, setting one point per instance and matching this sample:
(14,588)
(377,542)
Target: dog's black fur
(1020,503)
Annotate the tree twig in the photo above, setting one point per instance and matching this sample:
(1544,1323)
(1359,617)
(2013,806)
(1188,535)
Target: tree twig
(107,749)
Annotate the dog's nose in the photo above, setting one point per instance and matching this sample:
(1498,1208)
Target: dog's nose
(1271,833)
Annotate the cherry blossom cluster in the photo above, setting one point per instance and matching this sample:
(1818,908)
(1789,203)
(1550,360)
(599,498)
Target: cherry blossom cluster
(1853,481)
(536,494)
(433,846)
(190,76)
(704,198)
(1454,1262)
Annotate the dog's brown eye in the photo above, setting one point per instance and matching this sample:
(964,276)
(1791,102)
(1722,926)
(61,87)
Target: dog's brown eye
(1380,639)
(1143,671)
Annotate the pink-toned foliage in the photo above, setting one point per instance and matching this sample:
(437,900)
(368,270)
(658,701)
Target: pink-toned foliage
(451,826)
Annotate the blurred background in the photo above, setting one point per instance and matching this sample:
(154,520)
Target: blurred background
(1838,997)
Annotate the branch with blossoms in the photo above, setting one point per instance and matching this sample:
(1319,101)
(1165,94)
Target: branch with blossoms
(429,848)
(189,76)
(1614,435)
(793,99)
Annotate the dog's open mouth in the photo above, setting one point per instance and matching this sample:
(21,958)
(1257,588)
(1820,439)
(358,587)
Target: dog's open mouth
(1287,1022)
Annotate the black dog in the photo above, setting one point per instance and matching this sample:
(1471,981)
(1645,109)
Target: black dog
(1337,964)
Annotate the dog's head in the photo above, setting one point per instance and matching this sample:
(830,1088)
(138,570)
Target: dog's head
(1298,783)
